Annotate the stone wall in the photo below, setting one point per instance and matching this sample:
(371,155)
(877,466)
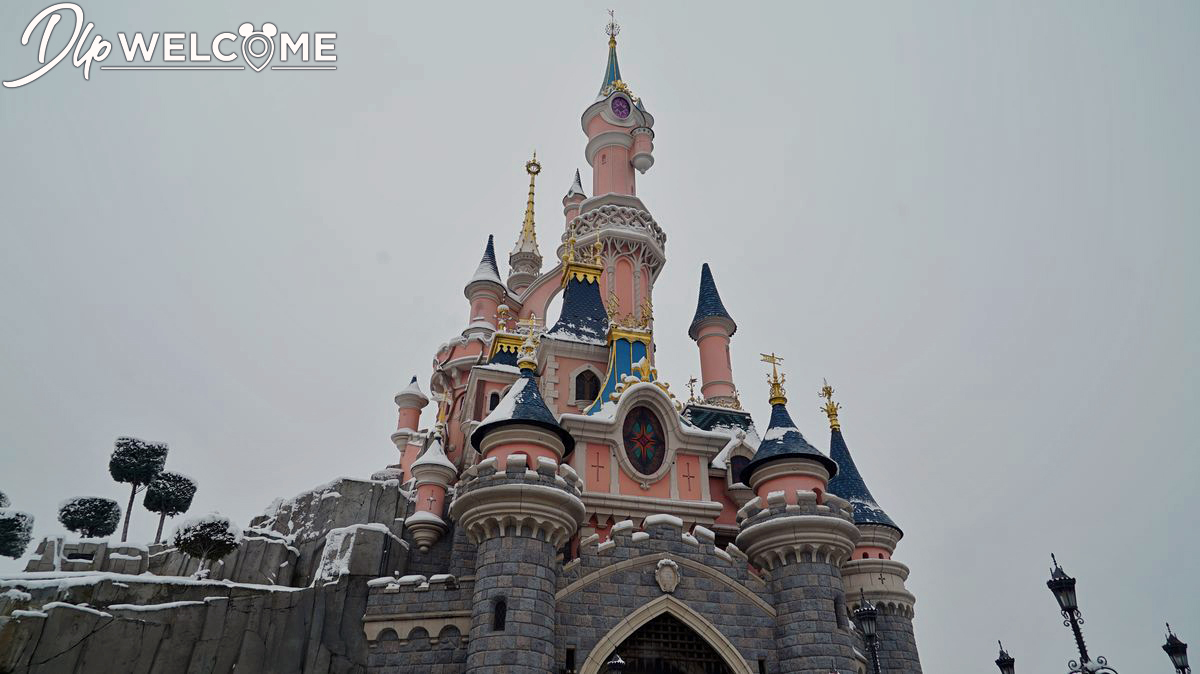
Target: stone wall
(120,624)
(683,572)
(897,643)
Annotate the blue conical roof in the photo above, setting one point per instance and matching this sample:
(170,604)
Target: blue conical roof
(783,440)
(583,317)
(709,304)
(523,404)
(849,485)
(488,270)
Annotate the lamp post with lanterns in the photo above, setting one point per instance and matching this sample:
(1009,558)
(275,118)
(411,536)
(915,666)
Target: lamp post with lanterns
(865,616)
(1063,588)
(1177,651)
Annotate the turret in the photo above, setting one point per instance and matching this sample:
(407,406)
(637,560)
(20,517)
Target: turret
(711,329)
(525,262)
(619,130)
(410,402)
(801,535)
(485,291)
(574,198)
(433,472)
(520,505)
(871,573)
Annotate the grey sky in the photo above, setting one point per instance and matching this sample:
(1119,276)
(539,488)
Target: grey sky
(978,220)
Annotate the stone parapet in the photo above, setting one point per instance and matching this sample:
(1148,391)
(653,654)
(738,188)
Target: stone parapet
(520,501)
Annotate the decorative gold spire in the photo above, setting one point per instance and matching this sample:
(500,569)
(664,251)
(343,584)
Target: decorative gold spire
(527,354)
(830,408)
(528,239)
(612,28)
(778,394)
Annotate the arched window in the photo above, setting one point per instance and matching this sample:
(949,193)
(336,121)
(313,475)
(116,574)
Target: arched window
(493,400)
(736,464)
(587,387)
(499,614)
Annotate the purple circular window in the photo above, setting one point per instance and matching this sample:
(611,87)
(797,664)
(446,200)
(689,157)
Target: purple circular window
(620,107)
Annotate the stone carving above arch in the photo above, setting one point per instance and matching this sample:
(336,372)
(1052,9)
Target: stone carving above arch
(667,574)
(652,609)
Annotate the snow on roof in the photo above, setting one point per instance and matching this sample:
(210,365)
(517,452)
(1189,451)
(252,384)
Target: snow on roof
(849,484)
(487,270)
(576,187)
(413,390)
(783,439)
(522,403)
(434,455)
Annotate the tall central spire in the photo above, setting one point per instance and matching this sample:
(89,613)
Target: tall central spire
(525,262)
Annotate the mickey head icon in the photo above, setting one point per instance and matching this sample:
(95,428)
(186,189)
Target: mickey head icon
(261,39)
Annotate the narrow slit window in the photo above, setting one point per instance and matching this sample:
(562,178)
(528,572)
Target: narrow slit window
(499,615)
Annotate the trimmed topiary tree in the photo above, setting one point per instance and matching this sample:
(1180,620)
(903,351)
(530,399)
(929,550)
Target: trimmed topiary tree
(135,462)
(169,494)
(207,538)
(16,530)
(90,516)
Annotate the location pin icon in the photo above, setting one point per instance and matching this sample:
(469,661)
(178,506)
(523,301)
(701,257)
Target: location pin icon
(258,48)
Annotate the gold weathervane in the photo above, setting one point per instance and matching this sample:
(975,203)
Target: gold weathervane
(778,394)
(612,29)
(691,385)
(830,408)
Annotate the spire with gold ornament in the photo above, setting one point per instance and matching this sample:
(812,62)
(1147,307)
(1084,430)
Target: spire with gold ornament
(783,440)
(525,262)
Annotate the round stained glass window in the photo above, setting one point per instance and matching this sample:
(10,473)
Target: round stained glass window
(645,443)
(620,107)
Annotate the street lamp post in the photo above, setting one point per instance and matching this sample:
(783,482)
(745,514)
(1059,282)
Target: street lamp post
(1177,651)
(865,616)
(1063,588)
(1005,661)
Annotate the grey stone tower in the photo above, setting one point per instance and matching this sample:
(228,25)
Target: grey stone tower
(871,571)
(800,539)
(519,505)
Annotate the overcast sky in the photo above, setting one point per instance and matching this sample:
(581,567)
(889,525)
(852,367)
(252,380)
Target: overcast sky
(977,220)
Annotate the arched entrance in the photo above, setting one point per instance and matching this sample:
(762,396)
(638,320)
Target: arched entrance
(667,646)
(665,636)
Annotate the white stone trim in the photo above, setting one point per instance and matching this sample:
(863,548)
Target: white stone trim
(780,540)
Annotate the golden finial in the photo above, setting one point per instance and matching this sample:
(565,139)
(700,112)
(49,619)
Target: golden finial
(527,355)
(691,385)
(612,28)
(778,395)
(830,408)
(598,252)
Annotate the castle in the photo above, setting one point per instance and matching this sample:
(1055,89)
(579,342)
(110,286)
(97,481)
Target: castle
(566,512)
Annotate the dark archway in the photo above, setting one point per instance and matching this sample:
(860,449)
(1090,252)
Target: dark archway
(667,646)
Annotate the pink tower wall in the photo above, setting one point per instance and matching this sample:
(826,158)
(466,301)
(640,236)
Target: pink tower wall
(716,371)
